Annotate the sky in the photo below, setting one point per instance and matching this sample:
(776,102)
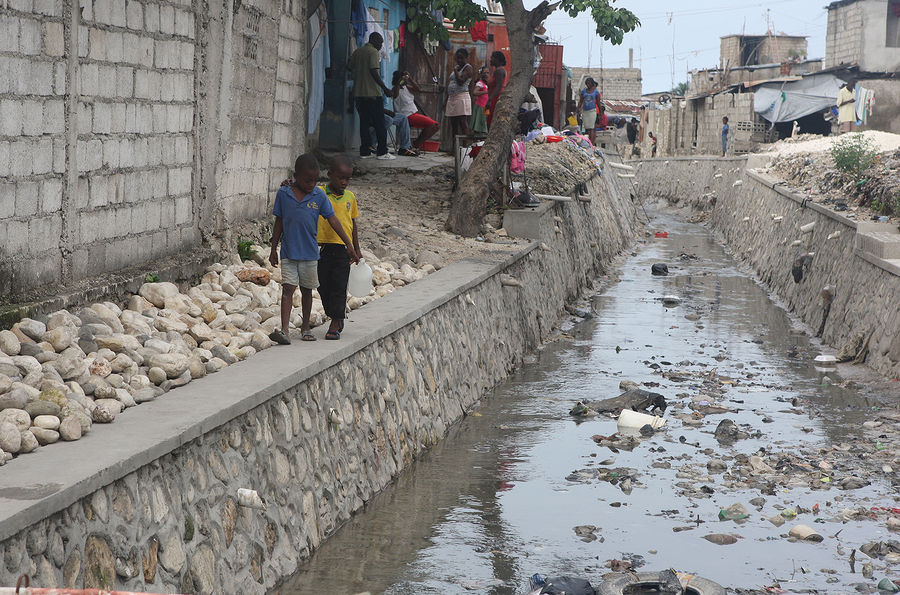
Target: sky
(693,27)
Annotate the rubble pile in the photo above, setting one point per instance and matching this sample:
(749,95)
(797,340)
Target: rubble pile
(555,168)
(61,374)
(815,176)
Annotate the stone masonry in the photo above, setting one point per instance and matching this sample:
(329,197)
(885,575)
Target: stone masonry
(134,130)
(862,286)
(316,439)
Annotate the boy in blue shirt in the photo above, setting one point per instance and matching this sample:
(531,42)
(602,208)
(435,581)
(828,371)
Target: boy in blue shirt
(297,211)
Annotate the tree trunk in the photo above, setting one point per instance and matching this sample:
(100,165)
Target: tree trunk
(470,200)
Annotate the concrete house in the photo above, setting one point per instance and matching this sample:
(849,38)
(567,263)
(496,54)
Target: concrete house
(865,33)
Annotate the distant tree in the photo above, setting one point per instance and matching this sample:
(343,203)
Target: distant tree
(680,89)
(470,202)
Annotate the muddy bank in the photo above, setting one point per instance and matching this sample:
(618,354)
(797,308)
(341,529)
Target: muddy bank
(841,277)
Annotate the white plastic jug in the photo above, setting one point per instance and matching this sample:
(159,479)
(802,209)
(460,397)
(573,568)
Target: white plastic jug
(635,420)
(360,282)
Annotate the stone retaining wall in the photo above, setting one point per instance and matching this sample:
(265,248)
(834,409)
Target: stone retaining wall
(864,286)
(150,503)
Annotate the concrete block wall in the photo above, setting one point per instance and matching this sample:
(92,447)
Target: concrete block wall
(843,35)
(134,143)
(33,144)
(675,127)
(134,130)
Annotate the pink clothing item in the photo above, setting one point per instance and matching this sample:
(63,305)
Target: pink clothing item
(481,99)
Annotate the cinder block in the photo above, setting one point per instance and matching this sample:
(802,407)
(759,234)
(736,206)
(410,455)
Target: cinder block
(11,116)
(151,17)
(9,33)
(111,153)
(183,214)
(51,196)
(114,48)
(161,53)
(167,19)
(124,81)
(7,199)
(59,155)
(122,225)
(98,191)
(89,155)
(126,153)
(183,150)
(21,156)
(118,118)
(102,118)
(43,157)
(30,36)
(27,198)
(107,81)
(134,15)
(97,44)
(54,39)
(16,236)
(89,79)
(187,56)
(54,116)
(32,118)
(116,188)
(4,159)
(59,78)
(184,23)
(50,8)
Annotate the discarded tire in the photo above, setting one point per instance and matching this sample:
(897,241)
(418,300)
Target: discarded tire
(618,583)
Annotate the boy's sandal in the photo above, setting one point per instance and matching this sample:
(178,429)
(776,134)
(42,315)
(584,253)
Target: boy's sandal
(408,153)
(333,335)
(280,337)
(307,336)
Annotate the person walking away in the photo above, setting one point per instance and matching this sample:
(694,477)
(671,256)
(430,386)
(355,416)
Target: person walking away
(478,122)
(587,107)
(652,144)
(298,207)
(367,91)
(846,104)
(725,130)
(403,87)
(334,258)
(496,83)
(459,104)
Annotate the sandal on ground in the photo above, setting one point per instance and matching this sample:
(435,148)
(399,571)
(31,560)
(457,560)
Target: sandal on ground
(333,335)
(280,337)
(408,153)
(307,336)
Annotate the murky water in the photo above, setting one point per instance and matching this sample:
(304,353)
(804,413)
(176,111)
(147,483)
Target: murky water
(491,504)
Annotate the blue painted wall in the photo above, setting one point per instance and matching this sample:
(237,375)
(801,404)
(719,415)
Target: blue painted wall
(339,126)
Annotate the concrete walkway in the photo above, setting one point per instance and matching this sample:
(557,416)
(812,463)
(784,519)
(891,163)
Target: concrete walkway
(37,485)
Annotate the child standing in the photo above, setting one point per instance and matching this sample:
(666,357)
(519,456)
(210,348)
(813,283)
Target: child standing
(334,259)
(478,122)
(298,207)
(725,130)
(652,144)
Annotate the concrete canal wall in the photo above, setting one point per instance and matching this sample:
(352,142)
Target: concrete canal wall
(857,263)
(151,502)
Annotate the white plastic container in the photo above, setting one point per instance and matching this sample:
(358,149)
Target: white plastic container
(826,360)
(636,420)
(360,282)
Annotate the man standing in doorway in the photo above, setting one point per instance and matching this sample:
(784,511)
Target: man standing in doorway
(367,90)
(846,104)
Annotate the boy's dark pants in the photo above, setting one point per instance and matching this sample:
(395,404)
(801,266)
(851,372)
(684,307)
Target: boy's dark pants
(334,270)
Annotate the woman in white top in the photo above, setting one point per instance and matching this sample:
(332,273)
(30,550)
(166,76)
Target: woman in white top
(404,87)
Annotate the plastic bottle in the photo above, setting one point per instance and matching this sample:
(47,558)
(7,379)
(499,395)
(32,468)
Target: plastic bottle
(360,282)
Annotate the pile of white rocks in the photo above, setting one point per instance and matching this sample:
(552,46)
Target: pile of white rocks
(60,376)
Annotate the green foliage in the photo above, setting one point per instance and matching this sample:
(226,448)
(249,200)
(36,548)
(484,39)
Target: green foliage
(188,529)
(245,249)
(151,278)
(853,154)
(680,89)
(612,23)
(464,13)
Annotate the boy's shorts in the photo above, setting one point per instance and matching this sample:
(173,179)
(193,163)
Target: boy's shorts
(301,273)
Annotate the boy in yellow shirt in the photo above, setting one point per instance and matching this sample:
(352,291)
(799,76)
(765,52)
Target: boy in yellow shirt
(334,262)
